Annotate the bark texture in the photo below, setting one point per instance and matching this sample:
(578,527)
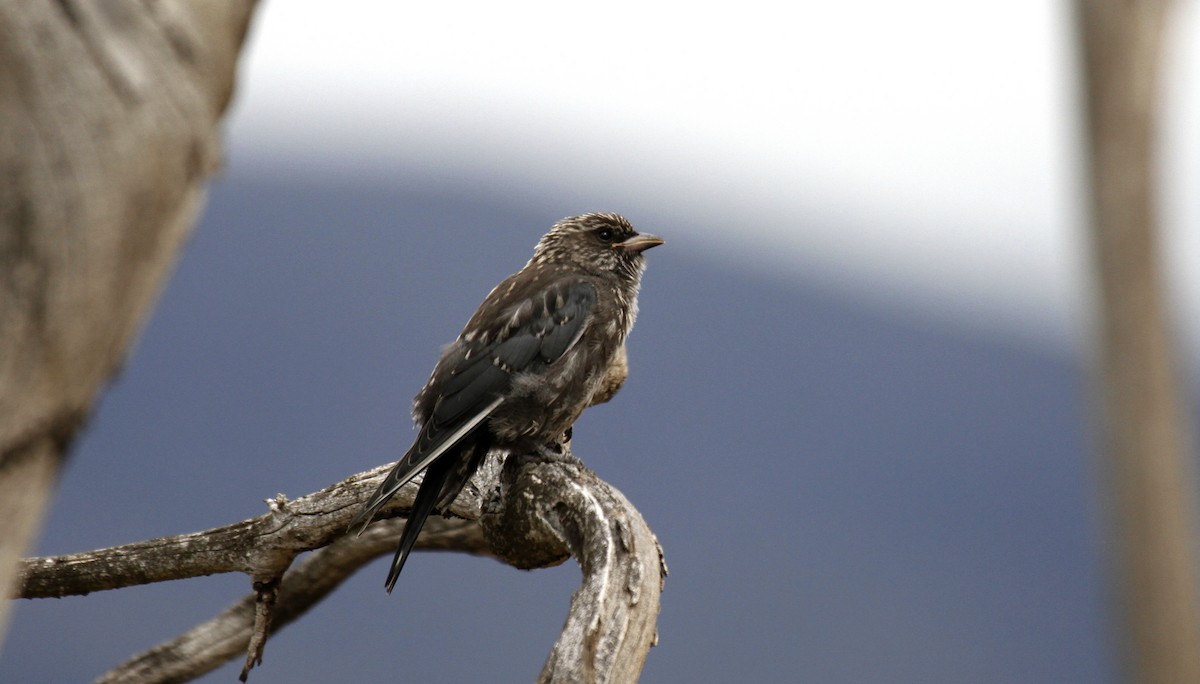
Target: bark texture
(226,636)
(544,511)
(109,117)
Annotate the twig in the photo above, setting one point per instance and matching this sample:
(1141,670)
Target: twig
(221,639)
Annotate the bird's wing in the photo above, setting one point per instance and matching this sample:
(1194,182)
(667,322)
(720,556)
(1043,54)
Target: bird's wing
(516,329)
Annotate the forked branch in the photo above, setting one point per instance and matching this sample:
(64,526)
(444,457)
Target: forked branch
(530,512)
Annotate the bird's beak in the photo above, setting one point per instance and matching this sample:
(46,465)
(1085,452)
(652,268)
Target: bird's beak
(639,243)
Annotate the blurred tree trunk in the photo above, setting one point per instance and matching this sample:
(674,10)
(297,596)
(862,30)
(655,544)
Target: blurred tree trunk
(1150,480)
(109,116)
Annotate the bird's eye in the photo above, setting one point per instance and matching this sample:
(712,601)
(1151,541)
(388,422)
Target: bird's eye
(605,234)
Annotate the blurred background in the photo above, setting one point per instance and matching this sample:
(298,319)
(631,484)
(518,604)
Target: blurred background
(858,417)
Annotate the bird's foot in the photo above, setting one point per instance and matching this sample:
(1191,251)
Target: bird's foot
(553,451)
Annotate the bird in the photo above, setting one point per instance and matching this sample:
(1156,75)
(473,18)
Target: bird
(545,344)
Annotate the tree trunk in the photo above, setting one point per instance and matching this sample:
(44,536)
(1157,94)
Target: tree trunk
(109,117)
(1147,450)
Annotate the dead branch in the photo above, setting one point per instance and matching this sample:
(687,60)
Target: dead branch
(211,644)
(531,512)
(262,547)
(545,510)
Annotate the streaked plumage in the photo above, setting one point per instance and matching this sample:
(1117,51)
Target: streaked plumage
(546,343)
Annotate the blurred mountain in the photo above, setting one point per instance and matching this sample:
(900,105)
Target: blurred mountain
(844,494)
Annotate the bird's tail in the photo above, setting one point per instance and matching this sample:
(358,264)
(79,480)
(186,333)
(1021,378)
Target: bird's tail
(427,495)
(397,478)
(431,443)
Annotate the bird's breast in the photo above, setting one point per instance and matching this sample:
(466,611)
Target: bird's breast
(542,404)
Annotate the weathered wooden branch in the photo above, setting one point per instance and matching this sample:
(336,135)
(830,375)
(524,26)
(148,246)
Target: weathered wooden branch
(1147,444)
(531,512)
(545,510)
(262,547)
(109,116)
(223,638)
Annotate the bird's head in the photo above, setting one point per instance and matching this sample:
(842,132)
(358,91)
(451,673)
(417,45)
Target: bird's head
(596,243)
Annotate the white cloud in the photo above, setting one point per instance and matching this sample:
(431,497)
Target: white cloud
(939,137)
